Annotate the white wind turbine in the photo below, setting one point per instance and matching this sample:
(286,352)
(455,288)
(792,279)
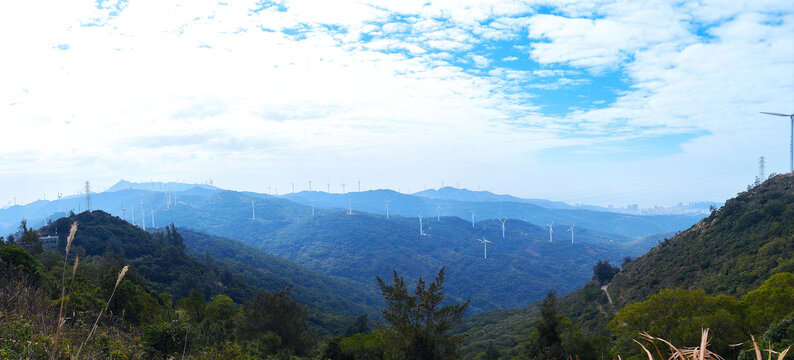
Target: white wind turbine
(421,231)
(503,226)
(438,212)
(153,219)
(387,208)
(484,247)
(570,229)
(550,230)
(143,217)
(253,212)
(349,204)
(791,144)
(313,208)
(123,212)
(472,218)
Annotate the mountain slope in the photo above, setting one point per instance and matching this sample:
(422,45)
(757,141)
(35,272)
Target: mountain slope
(730,252)
(518,269)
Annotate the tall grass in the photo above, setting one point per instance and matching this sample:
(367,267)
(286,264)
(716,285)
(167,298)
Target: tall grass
(700,352)
(61,318)
(93,328)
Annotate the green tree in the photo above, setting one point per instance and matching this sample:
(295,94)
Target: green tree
(490,352)
(545,341)
(275,313)
(678,316)
(194,305)
(421,323)
(360,326)
(604,272)
(770,302)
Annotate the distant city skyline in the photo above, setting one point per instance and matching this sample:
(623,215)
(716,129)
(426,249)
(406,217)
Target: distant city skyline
(600,103)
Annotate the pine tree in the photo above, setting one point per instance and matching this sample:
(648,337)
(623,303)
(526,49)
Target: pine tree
(420,321)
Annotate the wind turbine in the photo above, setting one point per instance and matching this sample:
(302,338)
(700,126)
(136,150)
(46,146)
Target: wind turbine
(550,230)
(503,226)
(312,208)
(310,185)
(349,204)
(791,144)
(153,218)
(421,231)
(387,208)
(143,217)
(329,187)
(484,247)
(132,212)
(253,212)
(343,188)
(571,231)
(472,218)
(123,211)
(438,212)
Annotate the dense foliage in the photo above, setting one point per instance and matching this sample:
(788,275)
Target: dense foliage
(728,272)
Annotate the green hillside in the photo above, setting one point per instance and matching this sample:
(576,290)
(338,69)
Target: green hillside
(723,260)
(518,269)
(730,252)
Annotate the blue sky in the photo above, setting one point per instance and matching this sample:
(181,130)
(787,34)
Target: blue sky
(601,102)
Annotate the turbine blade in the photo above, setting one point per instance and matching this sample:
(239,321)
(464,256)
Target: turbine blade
(775,114)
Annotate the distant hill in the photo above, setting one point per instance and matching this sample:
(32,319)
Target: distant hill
(159,186)
(632,226)
(231,268)
(466,195)
(518,269)
(730,252)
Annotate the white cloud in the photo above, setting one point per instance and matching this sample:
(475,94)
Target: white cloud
(307,91)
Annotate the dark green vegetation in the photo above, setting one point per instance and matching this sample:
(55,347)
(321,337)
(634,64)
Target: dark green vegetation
(519,268)
(418,326)
(731,272)
(168,304)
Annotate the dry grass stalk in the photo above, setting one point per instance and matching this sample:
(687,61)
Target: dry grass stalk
(697,353)
(61,319)
(93,328)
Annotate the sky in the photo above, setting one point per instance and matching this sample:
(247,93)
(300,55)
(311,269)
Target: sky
(596,102)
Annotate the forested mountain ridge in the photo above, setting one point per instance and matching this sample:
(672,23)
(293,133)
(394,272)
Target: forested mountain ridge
(729,255)
(519,268)
(178,262)
(730,252)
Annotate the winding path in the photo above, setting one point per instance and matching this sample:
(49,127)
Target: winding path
(605,287)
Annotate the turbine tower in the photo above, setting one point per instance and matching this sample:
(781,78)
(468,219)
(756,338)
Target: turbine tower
(421,231)
(503,226)
(123,212)
(484,247)
(253,212)
(438,212)
(472,218)
(153,226)
(387,208)
(310,185)
(550,230)
(343,188)
(143,217)
(791,144)
(87,196)
(132,212)
(570,229)
(312,208)
(761,174)
(359,186)
(329,187)
(349,204)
